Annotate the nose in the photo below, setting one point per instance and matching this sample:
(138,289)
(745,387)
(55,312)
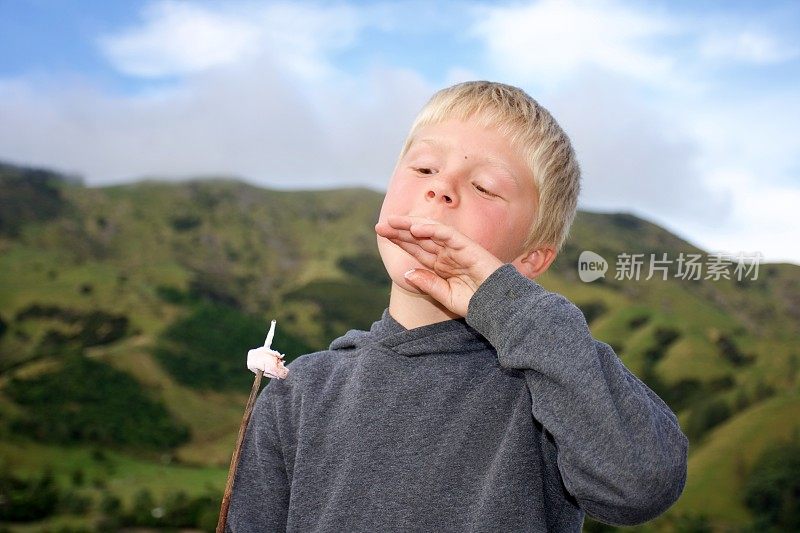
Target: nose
(440,190)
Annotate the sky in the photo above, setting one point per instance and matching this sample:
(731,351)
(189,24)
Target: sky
(686,113)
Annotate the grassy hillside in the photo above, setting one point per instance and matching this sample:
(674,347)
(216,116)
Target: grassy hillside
(157,290)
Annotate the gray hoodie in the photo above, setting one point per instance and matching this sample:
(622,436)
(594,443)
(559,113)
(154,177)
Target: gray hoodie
(513,418)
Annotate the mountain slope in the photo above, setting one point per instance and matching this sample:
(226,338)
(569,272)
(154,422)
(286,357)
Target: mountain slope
(172,283)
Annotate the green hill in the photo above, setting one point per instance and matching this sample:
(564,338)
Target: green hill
(153,292)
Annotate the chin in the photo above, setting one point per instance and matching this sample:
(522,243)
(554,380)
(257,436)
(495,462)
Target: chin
(397,262)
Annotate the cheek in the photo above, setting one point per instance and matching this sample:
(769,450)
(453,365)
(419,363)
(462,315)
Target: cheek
(392,200)
(490,223)
(494,230)
(397,197)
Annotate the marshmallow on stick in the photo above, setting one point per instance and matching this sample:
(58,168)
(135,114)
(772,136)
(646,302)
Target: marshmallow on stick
(267,360)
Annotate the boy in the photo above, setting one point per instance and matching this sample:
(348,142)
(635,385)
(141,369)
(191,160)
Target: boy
(479,401)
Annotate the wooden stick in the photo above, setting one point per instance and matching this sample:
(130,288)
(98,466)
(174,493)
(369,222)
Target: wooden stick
(248,410)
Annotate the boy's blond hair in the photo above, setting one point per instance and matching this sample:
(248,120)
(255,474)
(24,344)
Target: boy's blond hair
(531,129)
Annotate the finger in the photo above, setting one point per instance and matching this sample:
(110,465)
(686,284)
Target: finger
(421,227)
(383,226)
(385,229)
(393,224)
(440,234)
(405,221)
(430,283)
(426,244)
(417,251)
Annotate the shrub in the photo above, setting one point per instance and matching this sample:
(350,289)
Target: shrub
(24,500)
(772,491)
(89,401)
(638,321)
(365,266)
(74,502)
(730,352)
(28,195)
(705,416)
(662,338)
(593,310)
(185,222)
(343,305)
(94,328)
(208,348)
(110,505)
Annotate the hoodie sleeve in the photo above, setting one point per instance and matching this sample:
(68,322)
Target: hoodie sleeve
(260,496)
(621,452)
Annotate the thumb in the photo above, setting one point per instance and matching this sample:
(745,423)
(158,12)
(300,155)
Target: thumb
(429,282)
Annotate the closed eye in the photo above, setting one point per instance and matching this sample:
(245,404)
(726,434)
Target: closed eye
(484,190)
(424,170)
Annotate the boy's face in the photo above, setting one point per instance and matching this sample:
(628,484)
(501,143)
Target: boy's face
(465,176)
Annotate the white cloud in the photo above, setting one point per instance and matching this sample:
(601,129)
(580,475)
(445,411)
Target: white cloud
(632,156)
(180,38)
(252,120)
(747,47)
(549,41)
(761,219)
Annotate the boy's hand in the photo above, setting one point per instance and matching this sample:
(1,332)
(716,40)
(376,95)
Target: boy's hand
(457,264)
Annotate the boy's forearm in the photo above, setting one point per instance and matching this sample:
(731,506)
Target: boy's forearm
(622,454)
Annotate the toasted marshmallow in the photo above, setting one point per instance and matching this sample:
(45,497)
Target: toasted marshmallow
(267,360)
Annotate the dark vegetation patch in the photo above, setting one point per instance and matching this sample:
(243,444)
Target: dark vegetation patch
(618,348)
(220,288)
(638,321)
(90,328)
(707,410)
(366,267)
(177,510)
(745,399)
(174,295)
(687,391)
(344,305)
(208,349)
(87,401)
(25,500)
(593,310)
(731,353)
(182,223)
(38,497)
(772,489)
(28,195)
(626,221)
(663,337)
(706,415)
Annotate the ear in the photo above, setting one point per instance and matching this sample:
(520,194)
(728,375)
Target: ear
(535,262)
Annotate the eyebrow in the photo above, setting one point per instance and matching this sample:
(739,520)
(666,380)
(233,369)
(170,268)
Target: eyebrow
(436,143)
(497,163)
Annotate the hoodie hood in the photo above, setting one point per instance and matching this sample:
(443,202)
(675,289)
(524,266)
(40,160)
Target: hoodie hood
(449,336)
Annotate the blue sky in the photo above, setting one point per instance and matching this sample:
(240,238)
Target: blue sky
(685,113)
